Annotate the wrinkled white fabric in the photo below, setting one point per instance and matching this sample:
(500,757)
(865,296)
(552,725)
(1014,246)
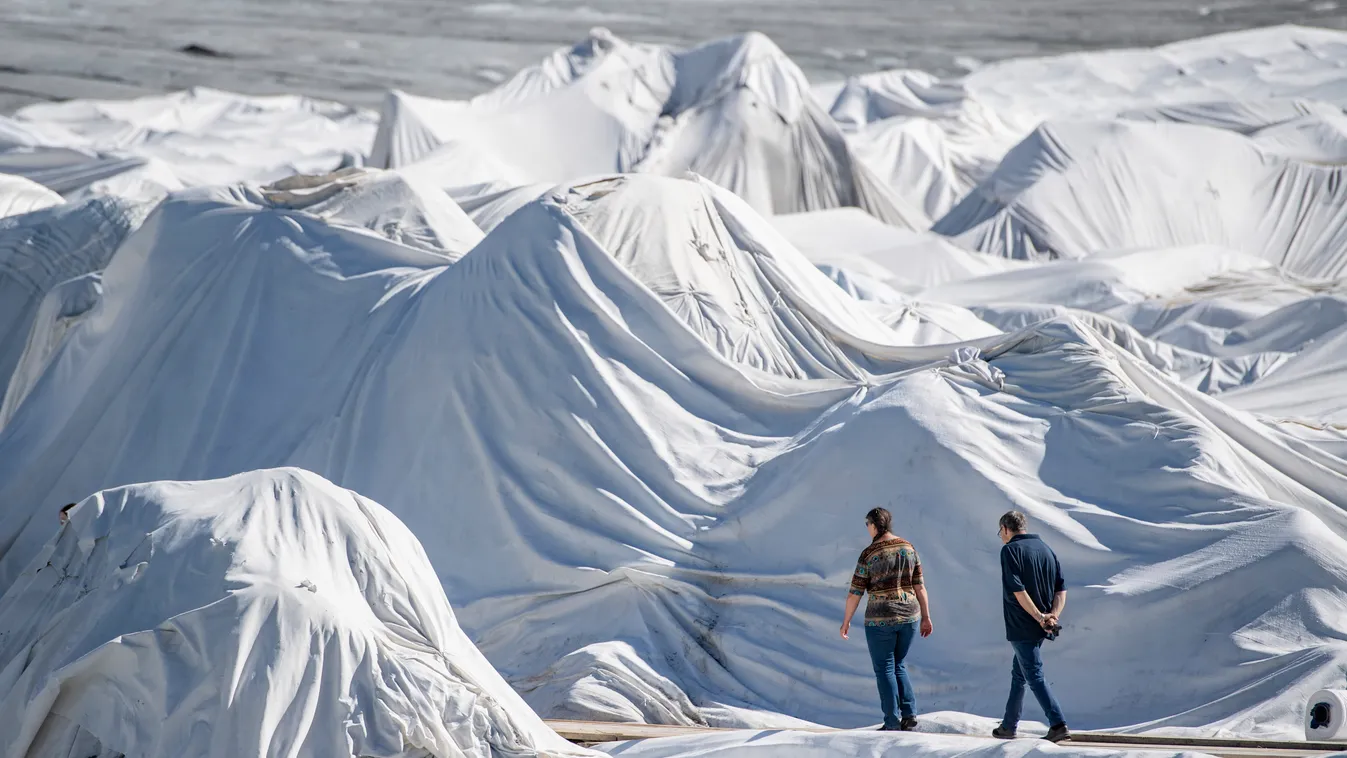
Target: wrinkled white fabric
(629,425)
(401,208)
(64,306)
(153,145)
(265,614)
(736,111)
(751,744)
(1073,189)
(19,195)
(39,250)
(635,422)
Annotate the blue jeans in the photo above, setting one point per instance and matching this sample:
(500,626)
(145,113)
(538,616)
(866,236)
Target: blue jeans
(888,647)
(1028,668)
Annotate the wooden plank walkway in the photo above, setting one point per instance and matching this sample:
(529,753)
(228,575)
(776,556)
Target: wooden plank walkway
(594,732)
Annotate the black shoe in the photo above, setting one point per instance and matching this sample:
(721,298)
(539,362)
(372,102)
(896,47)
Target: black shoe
(908,724)
(1001,733)
(1058,733)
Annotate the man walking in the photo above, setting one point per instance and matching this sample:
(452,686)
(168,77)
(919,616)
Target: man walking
(1031,580)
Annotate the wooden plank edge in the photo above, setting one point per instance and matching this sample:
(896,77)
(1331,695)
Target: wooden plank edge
(1247,743)
(592,732)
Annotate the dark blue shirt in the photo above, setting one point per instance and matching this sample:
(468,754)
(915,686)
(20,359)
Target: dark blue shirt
(1029,565)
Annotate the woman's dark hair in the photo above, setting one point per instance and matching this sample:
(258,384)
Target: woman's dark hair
(67,507)
(880,519)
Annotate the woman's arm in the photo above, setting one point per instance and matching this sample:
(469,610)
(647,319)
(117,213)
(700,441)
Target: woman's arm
(926,626)
(853,600)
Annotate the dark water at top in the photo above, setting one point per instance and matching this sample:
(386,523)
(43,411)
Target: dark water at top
(352,50)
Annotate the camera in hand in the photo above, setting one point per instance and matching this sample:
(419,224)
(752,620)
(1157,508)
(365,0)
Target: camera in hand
(1052,630)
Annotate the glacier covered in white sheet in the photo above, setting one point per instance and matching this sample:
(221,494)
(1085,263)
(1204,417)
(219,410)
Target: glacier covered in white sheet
(631,343)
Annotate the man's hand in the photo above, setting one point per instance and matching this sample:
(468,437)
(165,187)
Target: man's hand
(846,627)
(926,626)
(1050,620)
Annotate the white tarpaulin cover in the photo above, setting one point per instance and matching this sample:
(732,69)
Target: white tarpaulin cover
(749,744)
(19,195)
(933,140)
(1071,189)
(271,613)
(39,250)
(64,306)
(635,420)
(736,111)
(692,412)
(401,208)
(148,146)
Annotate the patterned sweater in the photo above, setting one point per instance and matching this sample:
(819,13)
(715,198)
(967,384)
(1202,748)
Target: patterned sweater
(891,572)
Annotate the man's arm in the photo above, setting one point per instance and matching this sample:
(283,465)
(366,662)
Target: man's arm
(1028,605)
(1058,605)
(1059,598)
(1010,574)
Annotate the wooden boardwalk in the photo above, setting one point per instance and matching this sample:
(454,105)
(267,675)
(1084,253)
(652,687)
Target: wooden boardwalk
(595,732)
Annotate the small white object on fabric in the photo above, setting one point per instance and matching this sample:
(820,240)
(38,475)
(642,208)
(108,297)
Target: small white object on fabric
(1326,716)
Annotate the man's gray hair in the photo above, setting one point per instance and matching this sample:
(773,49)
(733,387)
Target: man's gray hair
(1015,522)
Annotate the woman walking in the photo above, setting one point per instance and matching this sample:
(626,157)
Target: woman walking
(890,571)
